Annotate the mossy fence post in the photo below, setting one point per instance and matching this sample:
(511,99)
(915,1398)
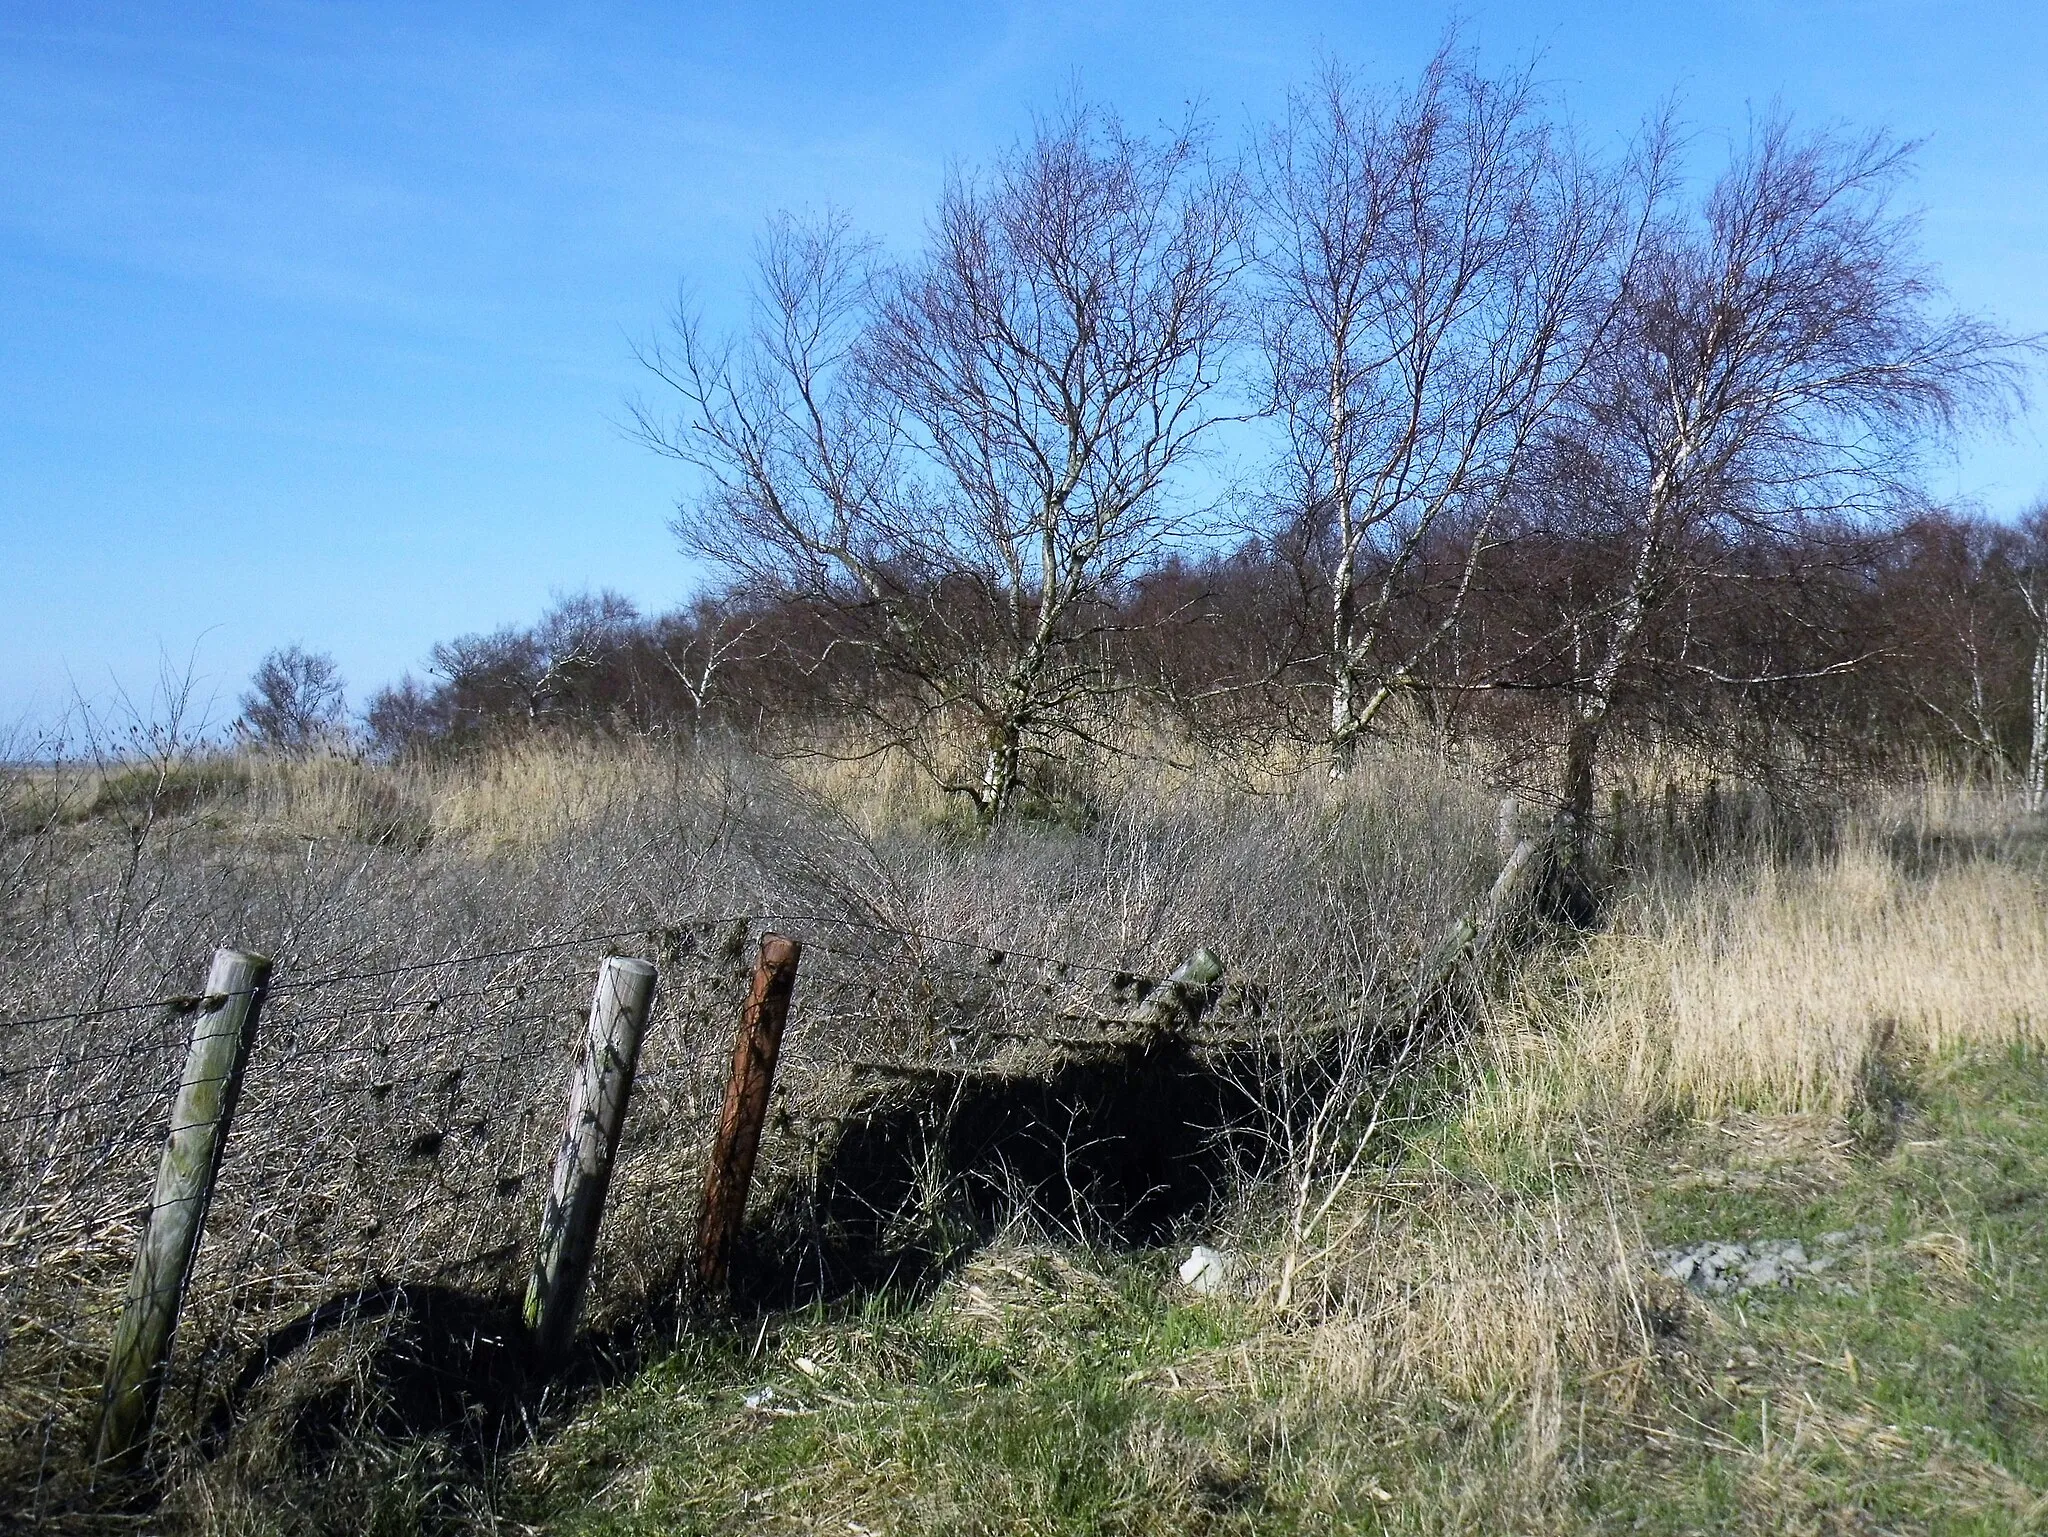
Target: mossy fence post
(205,1104)
(745,1108)
(599,1086)
(1180,999)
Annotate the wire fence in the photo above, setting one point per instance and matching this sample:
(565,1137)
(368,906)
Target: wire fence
(393,1137)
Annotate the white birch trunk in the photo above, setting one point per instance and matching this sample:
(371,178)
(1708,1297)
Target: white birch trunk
(2037,746)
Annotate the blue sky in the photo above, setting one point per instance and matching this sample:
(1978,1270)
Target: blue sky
(315,320)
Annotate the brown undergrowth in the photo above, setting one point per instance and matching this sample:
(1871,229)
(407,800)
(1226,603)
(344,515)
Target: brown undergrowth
(397,1119)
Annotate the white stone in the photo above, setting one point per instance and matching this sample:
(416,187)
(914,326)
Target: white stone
(1206,1270)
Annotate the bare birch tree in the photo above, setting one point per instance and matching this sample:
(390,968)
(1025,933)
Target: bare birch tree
(1957,591)
(1436,269)
(956,463)
(694,646)
(2030,580)
(1777,368)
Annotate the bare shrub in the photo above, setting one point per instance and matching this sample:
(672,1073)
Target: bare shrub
(295,703)
(395,1116)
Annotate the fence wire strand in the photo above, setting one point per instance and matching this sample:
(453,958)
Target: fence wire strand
(392,1135)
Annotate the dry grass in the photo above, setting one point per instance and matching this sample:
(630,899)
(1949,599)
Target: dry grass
(1764,1000)
(537,791)
(1495,1274)
(527,794)
(1777,989)
(1482,1297)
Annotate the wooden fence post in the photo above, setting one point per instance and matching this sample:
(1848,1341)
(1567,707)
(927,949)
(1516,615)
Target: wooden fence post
(746,1107)
(1177,1002)
(212,1082)
(598,1088)
(1507,825)
(1471,938)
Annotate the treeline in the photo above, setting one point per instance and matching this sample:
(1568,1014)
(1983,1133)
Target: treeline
(1922,642)
(1547,450)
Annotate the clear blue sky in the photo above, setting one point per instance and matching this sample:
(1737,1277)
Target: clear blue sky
(315,318)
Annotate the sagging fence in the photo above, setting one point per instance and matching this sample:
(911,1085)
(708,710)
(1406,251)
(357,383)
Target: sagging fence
(197,1189)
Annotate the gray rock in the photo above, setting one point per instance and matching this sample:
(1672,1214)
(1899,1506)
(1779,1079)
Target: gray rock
(1718,1269)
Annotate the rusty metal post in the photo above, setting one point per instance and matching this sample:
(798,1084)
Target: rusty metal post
(746,1108)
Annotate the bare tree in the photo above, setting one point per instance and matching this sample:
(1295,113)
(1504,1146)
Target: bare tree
(1955,592)
(403,717)
(573,639)
(1436,269)
(957,463)
(2030,580)
(532,672)
(295,701)
(1775,371)
(696,645)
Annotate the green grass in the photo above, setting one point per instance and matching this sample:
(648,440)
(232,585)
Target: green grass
(1049,1393)
(1911,1394)
(899,1418)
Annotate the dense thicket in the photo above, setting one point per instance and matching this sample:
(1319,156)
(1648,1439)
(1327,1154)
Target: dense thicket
(1907,643)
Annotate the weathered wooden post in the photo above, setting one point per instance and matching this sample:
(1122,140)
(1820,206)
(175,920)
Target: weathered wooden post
(746,1107)
(212,1082)
(1502,898)
(598,1088)
(1178,1001)
(1472,936)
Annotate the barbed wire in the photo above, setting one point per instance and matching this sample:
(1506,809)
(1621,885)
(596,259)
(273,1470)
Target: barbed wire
(996,952)
(179,1003)
(296,984)
(278,986)
(444,1080)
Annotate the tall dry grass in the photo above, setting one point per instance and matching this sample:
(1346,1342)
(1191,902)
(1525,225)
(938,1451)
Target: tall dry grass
(1779,988)
(1494,1257)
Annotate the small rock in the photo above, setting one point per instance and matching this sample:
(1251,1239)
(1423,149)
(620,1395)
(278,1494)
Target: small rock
(1716,1268)
(1205,1270)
